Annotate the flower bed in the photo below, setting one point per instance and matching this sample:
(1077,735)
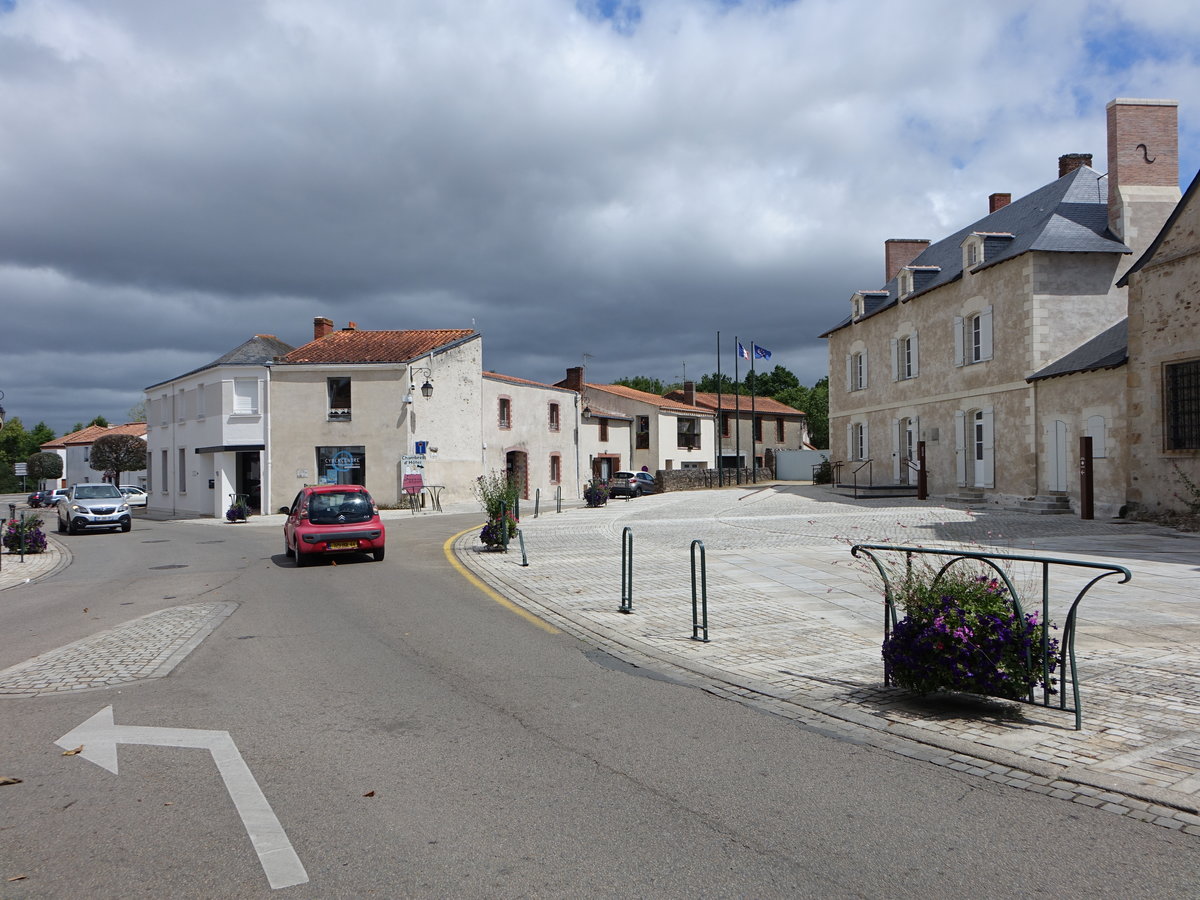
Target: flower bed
(35,537)
(963,632)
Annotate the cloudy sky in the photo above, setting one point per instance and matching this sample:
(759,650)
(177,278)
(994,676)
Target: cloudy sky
(606,177)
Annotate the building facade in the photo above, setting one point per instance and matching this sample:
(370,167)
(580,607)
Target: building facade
(531,433)
(948,352)
(75,451)
(206,433)
(750,428)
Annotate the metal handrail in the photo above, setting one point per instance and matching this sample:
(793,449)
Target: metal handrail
(1066,651)
(866,464)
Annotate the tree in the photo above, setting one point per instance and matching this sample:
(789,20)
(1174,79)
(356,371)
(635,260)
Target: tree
(708,384)
(99,420)
(643,383)
(117,453)
(137,412)
(45,465)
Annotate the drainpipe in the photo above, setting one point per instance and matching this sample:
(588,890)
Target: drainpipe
(264,486)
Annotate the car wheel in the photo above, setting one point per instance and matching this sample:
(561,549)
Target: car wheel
(71,527)
(62,526)
(637,492)
(287,549)
(378,554)
(302,559)
(127,525)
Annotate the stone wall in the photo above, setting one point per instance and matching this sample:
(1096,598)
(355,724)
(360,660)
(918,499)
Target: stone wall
(702,479)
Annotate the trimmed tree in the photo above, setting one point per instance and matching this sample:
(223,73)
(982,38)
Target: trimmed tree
(117,453)
(45,465)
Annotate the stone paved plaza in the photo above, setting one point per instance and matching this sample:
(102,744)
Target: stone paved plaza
(796,621)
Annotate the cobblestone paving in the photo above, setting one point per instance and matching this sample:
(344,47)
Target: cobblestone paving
(149,647)
(793,617)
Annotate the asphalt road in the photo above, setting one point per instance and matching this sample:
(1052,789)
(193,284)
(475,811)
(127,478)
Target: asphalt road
(417,739)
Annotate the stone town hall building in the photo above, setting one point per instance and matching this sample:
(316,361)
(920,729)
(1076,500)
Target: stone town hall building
(998,346)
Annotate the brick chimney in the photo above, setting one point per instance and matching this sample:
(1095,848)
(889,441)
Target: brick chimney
(689,393)
(998,201)
(351,326)
(1069,162)
(574,379)
(321,327)
(898,253)
(1143,168)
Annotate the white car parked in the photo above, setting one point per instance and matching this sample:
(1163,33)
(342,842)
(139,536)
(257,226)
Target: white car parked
(134,495)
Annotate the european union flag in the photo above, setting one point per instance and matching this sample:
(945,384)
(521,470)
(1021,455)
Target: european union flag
(761,352)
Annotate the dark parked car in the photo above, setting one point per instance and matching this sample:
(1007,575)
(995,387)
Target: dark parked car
(35,499)
(631,484)
(326,519)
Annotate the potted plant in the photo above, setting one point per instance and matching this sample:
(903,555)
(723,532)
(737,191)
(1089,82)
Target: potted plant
(596,493)
(238,511)
(28,532)
(964,632)
(498,495)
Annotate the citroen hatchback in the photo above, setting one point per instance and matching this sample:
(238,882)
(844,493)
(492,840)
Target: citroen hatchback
(327,519)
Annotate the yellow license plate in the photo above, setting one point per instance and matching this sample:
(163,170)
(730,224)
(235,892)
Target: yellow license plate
(343,545)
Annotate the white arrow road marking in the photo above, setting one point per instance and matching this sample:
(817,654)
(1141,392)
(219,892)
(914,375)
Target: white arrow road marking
(99,737)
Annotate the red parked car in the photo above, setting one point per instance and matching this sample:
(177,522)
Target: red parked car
(327,519)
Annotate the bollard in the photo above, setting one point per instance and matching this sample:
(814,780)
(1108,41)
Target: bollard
(22,539)
(537,502)
(699,615)
(521,538)
(558,498)
(626,570)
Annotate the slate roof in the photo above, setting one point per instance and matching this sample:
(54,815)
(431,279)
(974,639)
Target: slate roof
(1069,215)
(354,346)
(258,351)
(89,435)
(1107,350)
(767,405)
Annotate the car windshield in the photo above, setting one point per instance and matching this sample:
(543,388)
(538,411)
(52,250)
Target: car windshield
(335,508)
(96,492)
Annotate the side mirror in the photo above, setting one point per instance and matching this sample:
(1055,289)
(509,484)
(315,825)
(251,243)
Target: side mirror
(283,510)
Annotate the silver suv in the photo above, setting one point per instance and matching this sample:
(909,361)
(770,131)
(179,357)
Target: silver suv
(93,506)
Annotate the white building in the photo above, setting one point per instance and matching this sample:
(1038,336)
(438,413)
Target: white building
(206,432)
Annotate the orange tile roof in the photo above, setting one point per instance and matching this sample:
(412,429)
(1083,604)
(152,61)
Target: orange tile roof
(661,402)
(92,432)
(354,346)
(761,404)
(515,380)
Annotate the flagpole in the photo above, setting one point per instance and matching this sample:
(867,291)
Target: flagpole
(737,406)
(720,473)
(753,436)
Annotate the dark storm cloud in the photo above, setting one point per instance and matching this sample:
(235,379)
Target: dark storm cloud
(177,177)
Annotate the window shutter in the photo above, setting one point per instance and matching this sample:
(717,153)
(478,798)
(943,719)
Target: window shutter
(850,440)
(866,442)
(849,371)
(960,444)
(958,342)
(985,333)
(912,345)
(896,449)
(1095,430)
(895,360)
(864,370)
(989,454)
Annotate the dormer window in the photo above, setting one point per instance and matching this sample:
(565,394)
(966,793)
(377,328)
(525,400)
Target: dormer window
(856,306)
(906,283)
(972,254)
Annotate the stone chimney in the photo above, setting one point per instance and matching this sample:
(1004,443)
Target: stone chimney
(898,253)
(1069,162)
(999,201)
(689,393)
(574,379)
(321,327)
(1143,169)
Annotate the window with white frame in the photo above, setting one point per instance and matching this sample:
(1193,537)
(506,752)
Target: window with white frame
(858,441)
(245,396)
(504,413)
(554,419)
(555,468)
(904,358)
(340,403)
(973,338)
(856,371)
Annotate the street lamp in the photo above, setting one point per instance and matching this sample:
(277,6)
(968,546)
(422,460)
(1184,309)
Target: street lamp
(426,388)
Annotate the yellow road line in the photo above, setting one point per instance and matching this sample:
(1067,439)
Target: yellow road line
(503,601)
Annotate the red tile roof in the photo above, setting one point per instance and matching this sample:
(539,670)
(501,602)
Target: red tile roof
(661,402)
(514,380)
(92,432)
(765,405)
(354,346)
